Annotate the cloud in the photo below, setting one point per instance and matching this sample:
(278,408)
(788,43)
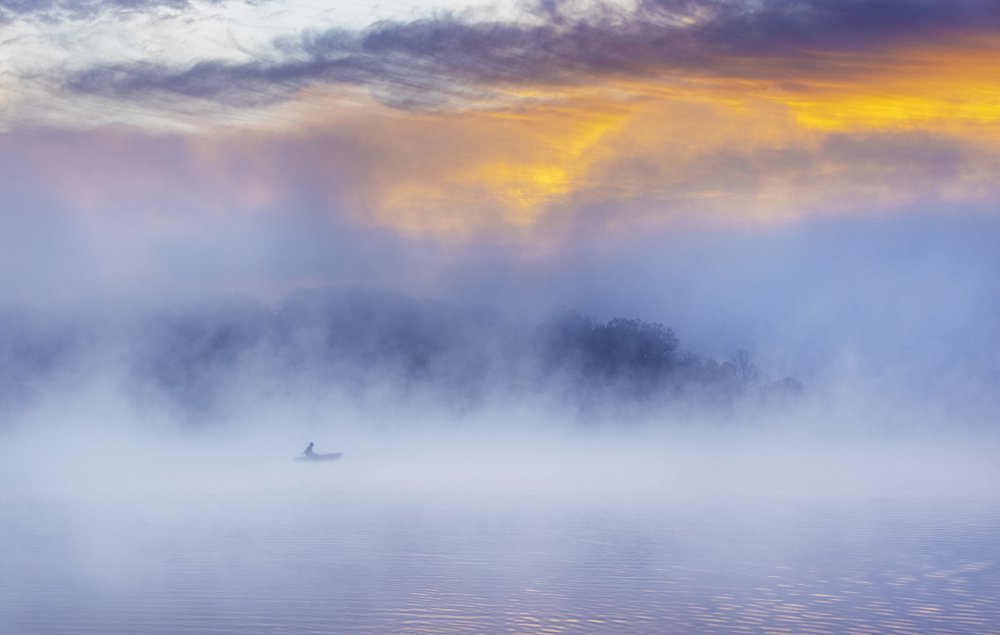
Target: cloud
(398,202)
(70,10)
(539,180)
(455,59)
(613,122)
(623,115)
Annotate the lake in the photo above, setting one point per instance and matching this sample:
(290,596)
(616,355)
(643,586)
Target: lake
(337,550)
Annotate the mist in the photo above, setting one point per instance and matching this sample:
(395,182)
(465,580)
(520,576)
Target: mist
(425,381)
(492,458)
(671,316)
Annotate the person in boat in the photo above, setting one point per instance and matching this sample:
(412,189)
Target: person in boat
(309,450)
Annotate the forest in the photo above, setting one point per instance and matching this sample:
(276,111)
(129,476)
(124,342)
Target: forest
(200,360)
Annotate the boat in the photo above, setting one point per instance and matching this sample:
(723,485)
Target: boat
(330,456)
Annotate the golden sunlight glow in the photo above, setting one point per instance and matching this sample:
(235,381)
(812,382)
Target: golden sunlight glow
(525,186)
(701,146)
(512,166)
(940,90)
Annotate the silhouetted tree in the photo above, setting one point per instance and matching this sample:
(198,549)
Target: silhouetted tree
(631,348)
(746,371)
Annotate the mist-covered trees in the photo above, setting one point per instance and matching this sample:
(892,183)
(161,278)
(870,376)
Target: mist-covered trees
(745,370)
(37,351)
(622,349)
(190,358)
(361,342)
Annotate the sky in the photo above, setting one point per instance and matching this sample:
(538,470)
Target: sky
(815,180)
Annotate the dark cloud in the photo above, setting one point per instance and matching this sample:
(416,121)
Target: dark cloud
(431,61)
(820,26)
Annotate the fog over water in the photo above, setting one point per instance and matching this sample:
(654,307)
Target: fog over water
(442,530)
(572,475)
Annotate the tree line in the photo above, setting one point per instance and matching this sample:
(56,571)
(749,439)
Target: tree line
(350,339)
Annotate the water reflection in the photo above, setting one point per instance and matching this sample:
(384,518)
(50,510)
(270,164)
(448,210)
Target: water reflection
(293,564)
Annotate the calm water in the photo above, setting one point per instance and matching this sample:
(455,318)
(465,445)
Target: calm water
(318,559)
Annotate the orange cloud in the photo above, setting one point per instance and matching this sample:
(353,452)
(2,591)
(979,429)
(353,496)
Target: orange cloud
(673,145)
(514,169)
(933,88)
(626,151)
